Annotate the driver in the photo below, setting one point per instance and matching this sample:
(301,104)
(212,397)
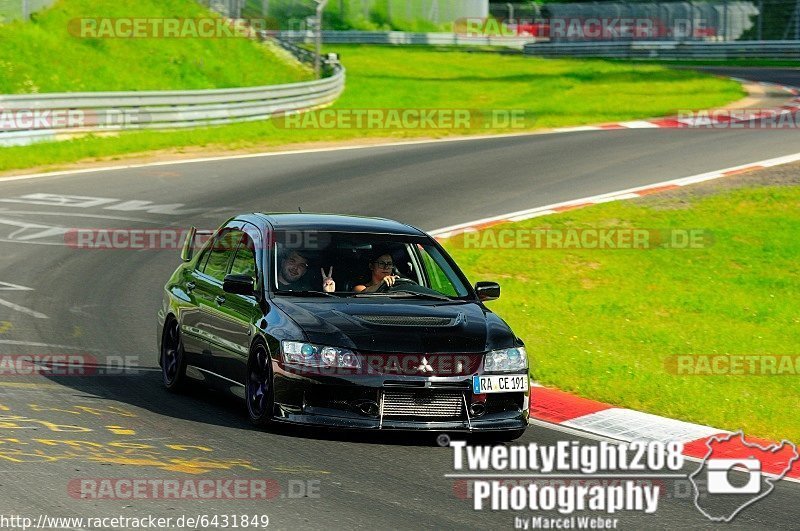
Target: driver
(381,269)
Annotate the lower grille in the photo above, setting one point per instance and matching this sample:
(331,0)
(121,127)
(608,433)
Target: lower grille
(438,404)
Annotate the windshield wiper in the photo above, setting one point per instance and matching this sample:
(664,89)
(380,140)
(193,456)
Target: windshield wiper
(406,294)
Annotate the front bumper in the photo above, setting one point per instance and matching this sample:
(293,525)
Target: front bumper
(383,402)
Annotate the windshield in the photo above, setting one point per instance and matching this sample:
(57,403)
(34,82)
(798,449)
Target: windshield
(349,264)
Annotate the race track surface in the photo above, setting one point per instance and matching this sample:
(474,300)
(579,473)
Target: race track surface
(104,303)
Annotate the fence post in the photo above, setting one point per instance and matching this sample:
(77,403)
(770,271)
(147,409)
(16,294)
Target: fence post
(797,20)
(318,22)
(725,20)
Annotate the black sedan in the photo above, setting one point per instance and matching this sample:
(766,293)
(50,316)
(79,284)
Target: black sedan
(345,322)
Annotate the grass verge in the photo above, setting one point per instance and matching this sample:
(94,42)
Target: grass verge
(607,324)
(551,93)
(48,55)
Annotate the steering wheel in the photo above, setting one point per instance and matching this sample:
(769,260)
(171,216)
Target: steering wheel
(383,288)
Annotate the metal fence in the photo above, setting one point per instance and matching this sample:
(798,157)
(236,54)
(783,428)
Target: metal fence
(400,38)
(725,20)
(38,117)
(668,50)
(21,9)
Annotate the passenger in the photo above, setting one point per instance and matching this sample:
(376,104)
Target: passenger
(292,272)
(381,269)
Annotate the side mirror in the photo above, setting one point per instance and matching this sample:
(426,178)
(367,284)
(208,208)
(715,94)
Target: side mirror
(487,291)
(238,284)
(188,245)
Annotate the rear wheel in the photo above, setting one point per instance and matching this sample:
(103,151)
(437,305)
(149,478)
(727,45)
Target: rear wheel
(260,395)
(173,362)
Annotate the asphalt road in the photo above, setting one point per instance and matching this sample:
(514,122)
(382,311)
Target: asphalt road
(55,299)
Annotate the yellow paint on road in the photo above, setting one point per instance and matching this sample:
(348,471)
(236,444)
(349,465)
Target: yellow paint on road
(115,452)
(119,430)
(78,410)
(14,421)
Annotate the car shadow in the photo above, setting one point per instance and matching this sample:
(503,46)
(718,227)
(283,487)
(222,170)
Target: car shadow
(200,403)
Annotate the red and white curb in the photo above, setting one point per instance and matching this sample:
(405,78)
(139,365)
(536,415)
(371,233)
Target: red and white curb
(709,118)
(552,406)
(630,193)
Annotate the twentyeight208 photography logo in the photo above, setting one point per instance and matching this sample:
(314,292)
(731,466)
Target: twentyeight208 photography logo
(722,495)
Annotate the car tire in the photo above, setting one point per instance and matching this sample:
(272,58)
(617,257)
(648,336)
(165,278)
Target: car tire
(259,390)
(173,360)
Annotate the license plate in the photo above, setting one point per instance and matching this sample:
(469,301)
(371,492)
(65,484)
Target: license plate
(499,383)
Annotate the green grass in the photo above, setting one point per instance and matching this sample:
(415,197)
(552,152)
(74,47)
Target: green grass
(602,323)
(43,56)
(552,93)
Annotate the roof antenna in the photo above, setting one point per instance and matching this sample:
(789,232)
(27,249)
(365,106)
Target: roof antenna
(300,210)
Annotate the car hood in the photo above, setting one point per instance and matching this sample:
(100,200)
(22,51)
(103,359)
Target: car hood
(401,326)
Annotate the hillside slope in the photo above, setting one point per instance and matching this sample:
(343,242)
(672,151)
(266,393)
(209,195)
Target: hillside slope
(43,55)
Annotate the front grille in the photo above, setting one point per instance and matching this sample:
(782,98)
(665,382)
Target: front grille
(431,404)
(403,320)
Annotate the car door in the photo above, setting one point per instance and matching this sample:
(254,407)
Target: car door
(208,294)
(193,326)
(240,311)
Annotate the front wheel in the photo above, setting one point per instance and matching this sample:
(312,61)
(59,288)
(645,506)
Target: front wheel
(260,395)
(173,362)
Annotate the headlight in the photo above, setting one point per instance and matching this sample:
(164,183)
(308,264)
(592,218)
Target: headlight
(299,353)
(506,360)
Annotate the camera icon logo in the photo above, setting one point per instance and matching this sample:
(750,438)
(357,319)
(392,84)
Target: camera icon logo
(736,473)
(718,482)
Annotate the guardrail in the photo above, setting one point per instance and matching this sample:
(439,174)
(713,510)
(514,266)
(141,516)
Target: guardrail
(28,118)
(400,37)
(668,50)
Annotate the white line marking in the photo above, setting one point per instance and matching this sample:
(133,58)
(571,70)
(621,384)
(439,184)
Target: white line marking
(22,309)
(630,425)
(270,154)
(44,230)
(614,196)
(638,124)
(8,286)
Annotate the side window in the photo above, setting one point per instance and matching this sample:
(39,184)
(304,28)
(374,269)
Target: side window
(220,254)
(437,277)
(244,263)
